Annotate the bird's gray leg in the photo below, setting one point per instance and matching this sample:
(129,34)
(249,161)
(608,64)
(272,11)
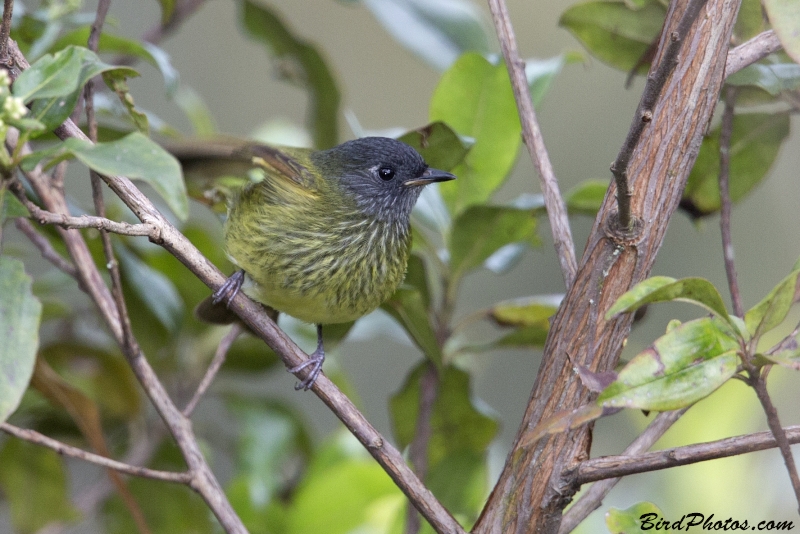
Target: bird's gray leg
(314,360)
(229,289)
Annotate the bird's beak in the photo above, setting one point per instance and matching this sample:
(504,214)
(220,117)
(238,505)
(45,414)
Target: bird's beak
(428,177)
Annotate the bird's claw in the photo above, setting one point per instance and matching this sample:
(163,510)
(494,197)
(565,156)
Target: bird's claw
(228,291)
(315,362)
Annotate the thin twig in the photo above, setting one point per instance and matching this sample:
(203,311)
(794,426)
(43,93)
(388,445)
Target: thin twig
(5,30)
(725,133)
(620,466)
(85,221)
(532,135)
(45,248)
(759,384)
(74,452)
(593,497)
(644,113)
(216,363)
(751,51)
(418,449)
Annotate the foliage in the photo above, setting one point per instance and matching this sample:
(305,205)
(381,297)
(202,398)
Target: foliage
(58,375)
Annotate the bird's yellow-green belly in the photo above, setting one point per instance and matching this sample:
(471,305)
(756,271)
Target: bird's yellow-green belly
(327,274)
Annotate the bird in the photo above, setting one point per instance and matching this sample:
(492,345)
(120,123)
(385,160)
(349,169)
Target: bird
(321,235)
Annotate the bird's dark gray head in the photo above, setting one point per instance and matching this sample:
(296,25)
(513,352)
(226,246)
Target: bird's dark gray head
(383,175)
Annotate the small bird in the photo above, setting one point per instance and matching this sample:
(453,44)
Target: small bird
(325,235)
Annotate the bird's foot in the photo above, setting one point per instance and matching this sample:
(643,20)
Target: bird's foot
(229,289)
(315,362)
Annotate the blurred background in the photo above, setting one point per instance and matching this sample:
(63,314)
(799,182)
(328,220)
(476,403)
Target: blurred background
(584,119)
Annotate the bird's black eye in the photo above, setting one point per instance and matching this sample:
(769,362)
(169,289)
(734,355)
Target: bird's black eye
(386,173)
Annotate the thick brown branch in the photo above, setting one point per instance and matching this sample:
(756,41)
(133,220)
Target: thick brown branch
(532,135)
(645,112)
(74,452)
(620,466)
(530,494)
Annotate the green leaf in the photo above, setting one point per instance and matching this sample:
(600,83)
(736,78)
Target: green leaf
(755,141)
(196,110)
(541,73)
(410,307)
(784,16)
(587,197)
(342,498)
(665,289)
(458,422)
(103,376)
(438,144)
(51,75)
(525,311)
(271,438)
(614,33)
(34,483)
(116,44)
(10,207)
(438,31)
(300,63)
(772,310)
(787,352)
(154,289)
(774,78)
(475,98)
(459,482)
(749,21)
(481,230)
(686,364)
(638,518)
(134,156)
(119,85)
(56,82)
(20,313)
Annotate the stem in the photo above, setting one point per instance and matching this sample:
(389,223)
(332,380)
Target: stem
(5,30)
(759,384)
(619,466)
(418,449)
(726,131)
(532,135)
(644,113)
(593,497)
(751,51)
(74,452)
(216,363)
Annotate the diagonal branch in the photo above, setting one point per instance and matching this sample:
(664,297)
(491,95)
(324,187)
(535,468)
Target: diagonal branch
(532,135)
(593,497)
(751,51)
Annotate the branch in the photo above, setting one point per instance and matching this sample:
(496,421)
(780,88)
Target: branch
(5,30)
(216,363)
(645,112)
(532,135)
(725,133)
(46,249)
(530,494)
(619,466)
(90,221)
(779,435)
(751,51)
(74,452)
(593,497)
(253,315)
(418,449)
